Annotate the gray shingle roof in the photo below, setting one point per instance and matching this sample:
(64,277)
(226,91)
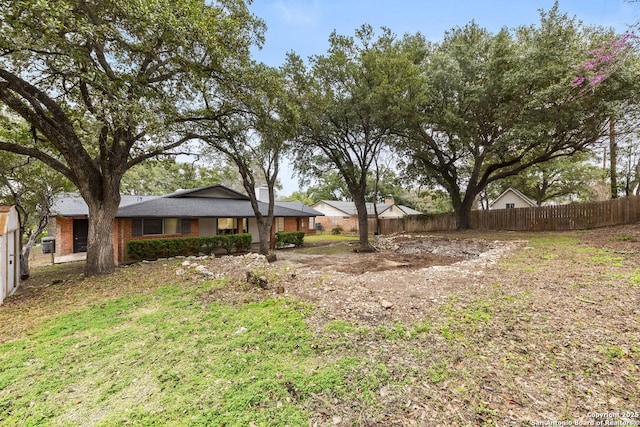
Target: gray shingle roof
(409,211)
(299,206)
(200,207)
(72,204)
(185,204)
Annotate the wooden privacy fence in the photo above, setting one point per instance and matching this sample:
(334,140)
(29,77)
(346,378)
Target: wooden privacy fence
(624,210)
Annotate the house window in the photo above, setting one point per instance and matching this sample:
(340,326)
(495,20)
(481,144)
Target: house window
(233,225)
(510,206)
(227,225)
(172,226)
(280,224)
(346,217)
(159,226)
(152,226)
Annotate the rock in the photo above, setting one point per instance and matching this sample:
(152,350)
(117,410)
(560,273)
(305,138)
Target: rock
(186,263)
(180,272)
(280,290)
(262,282)
(271,258)
(201,268)
(251,278)
(336,420)
(386,304)
(240,330)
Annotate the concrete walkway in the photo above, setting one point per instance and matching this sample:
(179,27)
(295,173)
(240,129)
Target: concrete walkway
(80,256)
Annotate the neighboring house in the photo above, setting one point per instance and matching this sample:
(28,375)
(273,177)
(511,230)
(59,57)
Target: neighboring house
(205,211)
(345,215)
(9,251)
(511,199)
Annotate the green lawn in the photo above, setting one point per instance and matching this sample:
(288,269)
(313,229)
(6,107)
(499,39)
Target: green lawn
(171,358)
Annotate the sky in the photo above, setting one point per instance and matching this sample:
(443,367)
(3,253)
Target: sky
(304,26)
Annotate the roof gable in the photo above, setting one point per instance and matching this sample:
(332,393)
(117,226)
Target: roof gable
(216,191)
(516,193)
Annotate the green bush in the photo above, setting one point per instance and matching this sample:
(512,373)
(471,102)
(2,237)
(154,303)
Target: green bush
(184,246)
(337,230)
(284,238)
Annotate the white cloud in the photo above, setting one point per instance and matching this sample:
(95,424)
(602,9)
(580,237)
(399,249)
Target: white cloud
(298,12)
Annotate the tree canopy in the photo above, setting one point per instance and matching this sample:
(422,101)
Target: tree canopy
(252,135)
(105,83)
(350,100)
(494,105)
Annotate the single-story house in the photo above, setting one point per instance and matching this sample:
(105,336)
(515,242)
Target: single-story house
(511,199)
(345,215)
(9,251)
(205,211)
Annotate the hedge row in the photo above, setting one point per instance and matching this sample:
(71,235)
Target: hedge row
(185,246)
(284,238)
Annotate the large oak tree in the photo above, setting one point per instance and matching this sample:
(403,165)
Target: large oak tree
(102,81)
(493,105)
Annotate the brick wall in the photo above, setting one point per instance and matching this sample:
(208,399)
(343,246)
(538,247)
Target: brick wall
(330,222)
(64,235)
(123,232)
(290,224)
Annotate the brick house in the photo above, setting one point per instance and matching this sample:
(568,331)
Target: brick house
(344,214)
(205,211)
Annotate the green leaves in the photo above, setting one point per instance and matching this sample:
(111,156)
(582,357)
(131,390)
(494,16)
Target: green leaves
(494,105)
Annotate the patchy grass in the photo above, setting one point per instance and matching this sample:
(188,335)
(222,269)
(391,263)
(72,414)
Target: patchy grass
(167,358)
(551,333)
(325,239)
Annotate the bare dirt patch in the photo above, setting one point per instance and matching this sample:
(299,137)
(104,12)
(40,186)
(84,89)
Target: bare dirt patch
(399,282)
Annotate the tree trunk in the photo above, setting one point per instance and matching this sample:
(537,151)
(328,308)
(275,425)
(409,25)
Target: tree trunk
(31,241)
(613,154)
(264,233)
(100,258)
(26,252)
(363,221)
(463,213)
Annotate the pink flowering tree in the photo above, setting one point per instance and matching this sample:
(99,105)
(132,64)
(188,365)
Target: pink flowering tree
(604,60)
(602,63)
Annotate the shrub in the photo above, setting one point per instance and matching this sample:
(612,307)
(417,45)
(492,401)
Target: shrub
(185,246)
(284,238)
(337,230)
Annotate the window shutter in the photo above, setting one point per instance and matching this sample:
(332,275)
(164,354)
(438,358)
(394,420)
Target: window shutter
(136,228)
(186,225)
